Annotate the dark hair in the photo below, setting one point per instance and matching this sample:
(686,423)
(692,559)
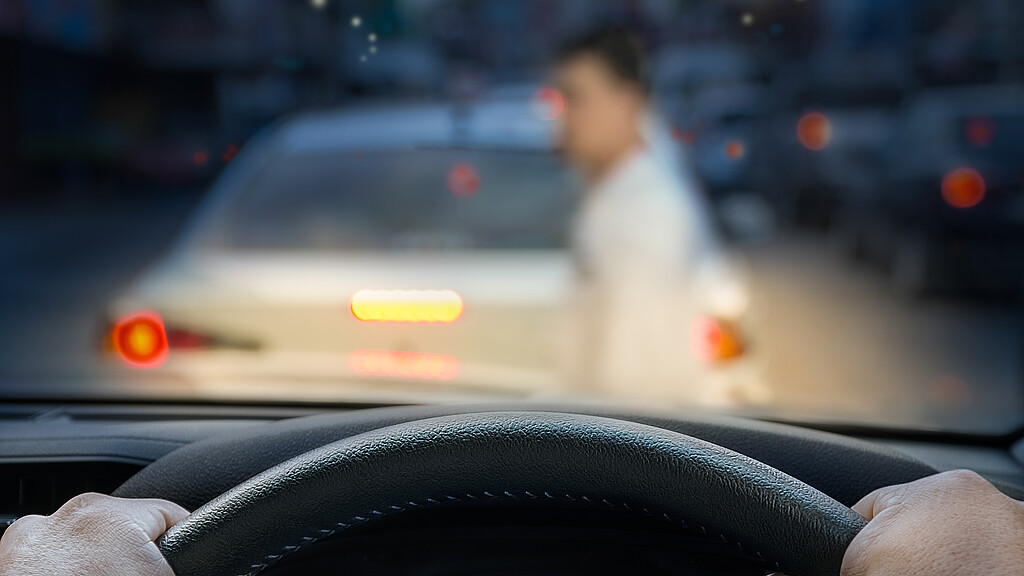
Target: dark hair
(618,48)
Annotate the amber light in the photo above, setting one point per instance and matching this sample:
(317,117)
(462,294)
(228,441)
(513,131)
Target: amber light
(814,131)
(963,188)
(429,306)
(403,364)
(140,339)
(713,340)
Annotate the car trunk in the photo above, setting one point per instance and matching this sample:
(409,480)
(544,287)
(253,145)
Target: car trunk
(273,315)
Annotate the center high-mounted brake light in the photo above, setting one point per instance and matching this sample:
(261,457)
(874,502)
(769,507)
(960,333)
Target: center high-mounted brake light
(415,306)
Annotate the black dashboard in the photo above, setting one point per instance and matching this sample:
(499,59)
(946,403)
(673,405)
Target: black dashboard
(49,453)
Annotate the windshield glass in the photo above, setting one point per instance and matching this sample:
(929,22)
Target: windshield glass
(798,210)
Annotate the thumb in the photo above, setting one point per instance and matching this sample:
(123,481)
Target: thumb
(858,553)
(873,507)
(153,516)
(874,503)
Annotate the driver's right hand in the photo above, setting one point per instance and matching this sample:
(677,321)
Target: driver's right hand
(954,523)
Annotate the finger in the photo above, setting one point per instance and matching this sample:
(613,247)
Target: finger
(855,558)
(156,516)
(866,507)
(153,516)
(861,549)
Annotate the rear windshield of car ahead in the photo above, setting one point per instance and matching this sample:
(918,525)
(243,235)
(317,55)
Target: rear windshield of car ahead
(403,200)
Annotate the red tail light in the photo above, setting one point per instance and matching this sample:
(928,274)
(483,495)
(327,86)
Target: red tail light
(980,131)
(140,340)
(403,364)
(187,340)
(814,131)
(963,188)
(548,104)
(463,180)
(735,149)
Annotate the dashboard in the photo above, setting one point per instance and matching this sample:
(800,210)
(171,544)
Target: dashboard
(50,453)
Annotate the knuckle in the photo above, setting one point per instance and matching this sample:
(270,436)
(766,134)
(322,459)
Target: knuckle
(966,478)
(88,509)
(86,500)
(24,521)
(23,524)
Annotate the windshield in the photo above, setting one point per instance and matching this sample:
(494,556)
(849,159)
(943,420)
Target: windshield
(798,210)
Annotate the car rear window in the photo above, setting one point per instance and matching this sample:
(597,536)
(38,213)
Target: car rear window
(403,200)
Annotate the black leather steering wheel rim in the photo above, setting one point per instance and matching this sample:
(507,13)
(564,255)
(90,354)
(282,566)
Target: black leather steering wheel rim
(519,458)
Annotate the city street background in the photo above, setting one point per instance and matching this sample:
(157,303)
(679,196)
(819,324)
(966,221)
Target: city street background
(864,160)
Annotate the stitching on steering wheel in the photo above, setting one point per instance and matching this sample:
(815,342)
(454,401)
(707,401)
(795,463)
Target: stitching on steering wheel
(270,559)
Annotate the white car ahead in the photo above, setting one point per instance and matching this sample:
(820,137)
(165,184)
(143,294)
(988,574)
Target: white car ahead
(378,253)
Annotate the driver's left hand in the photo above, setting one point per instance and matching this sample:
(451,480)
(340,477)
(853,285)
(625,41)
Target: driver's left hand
(91,535)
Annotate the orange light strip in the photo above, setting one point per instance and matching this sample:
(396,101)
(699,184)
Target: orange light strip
(429,306)
(403,364)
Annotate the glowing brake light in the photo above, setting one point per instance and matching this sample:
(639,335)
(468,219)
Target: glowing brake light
(403,364)
(963,188)
(463,180)
(713,340)
(814,131)
(980,131)
(140,340)
(548,104)
(428,306)
(735,149)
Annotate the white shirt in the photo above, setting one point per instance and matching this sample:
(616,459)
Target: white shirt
(638,240)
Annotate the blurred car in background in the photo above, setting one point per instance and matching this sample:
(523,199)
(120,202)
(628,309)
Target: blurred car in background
(726,136)
(829,128)
(681,73)
(947,211)
(728,141)
(405,67)
(386,251)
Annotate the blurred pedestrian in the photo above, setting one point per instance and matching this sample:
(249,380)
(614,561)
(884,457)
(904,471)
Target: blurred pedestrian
(639,234)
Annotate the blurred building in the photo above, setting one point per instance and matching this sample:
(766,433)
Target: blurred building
(153,93)
(158,94)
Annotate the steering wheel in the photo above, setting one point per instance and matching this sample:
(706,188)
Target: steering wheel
(528,459)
